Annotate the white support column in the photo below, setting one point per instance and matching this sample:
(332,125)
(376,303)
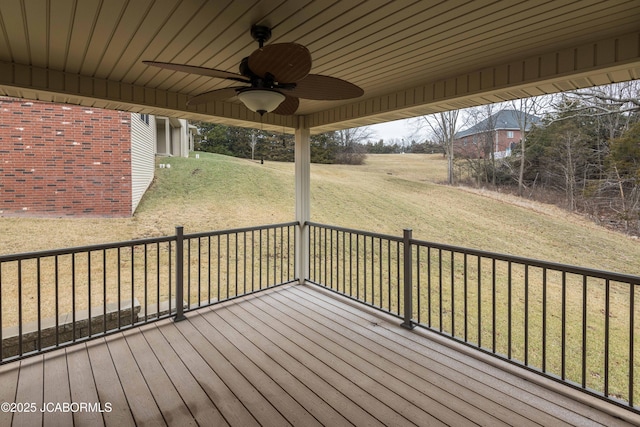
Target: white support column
(303,198)
(167,137)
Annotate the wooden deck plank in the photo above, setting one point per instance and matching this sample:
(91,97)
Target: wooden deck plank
(232,409)
(82,385)
(143,406)
(293,399)
(107,383)
(325,401)
(470,362)
(200,405)
(381,385)
(534,408)
(30,391)
(9,380)
(448,387)
(56,389)
(296,355)
(235,379)
(361,396)
(390,369)
(173,408)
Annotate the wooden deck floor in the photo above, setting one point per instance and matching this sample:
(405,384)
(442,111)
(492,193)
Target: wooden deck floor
(293,355)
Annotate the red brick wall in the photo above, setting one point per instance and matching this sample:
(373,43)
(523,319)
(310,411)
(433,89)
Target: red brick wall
(504,141)
(473,146)
(60,160)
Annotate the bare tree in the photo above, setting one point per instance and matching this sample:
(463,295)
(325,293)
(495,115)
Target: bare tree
(479,145)
(489,138)
(567,160)
(350,144)
(612,108)
(444,126)
(619,97)
(525,109)
(254,142)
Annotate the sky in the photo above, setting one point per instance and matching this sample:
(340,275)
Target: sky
(397,129)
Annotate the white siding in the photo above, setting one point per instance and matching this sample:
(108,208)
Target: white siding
(143,147)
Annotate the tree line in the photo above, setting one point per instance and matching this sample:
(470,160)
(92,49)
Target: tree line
(348,146)
(267,145)
(584,153)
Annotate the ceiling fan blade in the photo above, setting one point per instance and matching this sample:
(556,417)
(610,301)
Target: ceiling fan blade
(203,71)
(325,88)
(286,62)
(288,106)
(214,95)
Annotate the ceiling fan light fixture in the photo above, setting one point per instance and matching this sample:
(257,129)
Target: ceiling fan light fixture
(261,100)
(274,78)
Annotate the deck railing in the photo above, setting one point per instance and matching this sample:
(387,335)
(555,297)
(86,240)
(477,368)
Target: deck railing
(575,325)
(361,265)
(54,298)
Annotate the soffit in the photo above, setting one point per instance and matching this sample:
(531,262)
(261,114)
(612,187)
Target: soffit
(386,47)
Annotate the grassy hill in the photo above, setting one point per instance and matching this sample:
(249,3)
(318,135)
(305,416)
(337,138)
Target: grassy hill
(387,194)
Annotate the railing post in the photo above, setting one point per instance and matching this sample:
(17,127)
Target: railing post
(179,274)
(408,280)
(303,198)
(302,252)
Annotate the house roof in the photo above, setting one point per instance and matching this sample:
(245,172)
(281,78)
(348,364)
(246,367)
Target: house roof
(410,57)
(502,120)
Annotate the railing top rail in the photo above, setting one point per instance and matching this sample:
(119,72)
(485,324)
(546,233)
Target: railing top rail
(240,230)
(136,242)
(80,249)
(354,231)
(602,274)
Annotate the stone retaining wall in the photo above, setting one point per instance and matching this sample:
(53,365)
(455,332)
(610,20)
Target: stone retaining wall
(65,327)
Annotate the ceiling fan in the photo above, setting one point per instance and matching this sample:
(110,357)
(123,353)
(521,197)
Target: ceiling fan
(274,77)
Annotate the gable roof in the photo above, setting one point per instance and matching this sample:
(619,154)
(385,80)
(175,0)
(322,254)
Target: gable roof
(502,120)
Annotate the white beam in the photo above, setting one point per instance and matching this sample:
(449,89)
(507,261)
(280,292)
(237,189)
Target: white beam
(598,62)
(303,198)
(28,81)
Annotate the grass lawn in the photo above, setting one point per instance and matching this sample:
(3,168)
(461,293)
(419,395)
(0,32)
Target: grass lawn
(387,194)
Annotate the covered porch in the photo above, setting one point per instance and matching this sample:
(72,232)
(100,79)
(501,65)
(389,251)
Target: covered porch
(292,355)
(295,354)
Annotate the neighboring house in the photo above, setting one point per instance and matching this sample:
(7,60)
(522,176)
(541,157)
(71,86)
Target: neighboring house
(499,133)
(62,160)
(174,137)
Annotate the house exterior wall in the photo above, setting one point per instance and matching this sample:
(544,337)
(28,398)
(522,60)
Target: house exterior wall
(475,146)
(184,138)
(57,160)
(470,146)
(174,137)
(163,135)
(504,141)
(143,146)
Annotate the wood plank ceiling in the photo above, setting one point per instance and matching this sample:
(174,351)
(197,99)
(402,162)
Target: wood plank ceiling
(402,52)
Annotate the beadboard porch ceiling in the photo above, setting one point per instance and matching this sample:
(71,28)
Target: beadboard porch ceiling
(411,57)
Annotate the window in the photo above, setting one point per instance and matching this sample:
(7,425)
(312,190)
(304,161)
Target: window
(510,134)
(144,118)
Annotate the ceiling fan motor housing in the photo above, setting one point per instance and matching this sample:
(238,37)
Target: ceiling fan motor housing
(261,34)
